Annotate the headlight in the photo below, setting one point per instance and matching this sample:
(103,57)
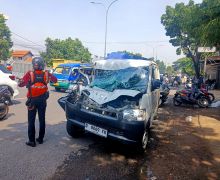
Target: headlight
(134,115)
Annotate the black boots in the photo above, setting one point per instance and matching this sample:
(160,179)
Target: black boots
(40,141)
(32,144)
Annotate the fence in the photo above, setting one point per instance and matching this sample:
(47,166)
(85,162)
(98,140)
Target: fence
(20,68)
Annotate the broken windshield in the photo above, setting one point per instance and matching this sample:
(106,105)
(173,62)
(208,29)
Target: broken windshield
(133,78)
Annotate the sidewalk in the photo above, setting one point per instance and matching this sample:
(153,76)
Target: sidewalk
(188,142)
(216,94)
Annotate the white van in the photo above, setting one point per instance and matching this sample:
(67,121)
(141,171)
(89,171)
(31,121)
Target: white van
(120,102)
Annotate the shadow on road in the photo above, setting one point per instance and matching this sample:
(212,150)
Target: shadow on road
(14,102)
(178,150)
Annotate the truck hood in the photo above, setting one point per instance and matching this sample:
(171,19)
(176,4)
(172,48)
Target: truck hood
(101,96)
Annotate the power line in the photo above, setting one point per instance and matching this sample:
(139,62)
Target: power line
(29,47)
(27,39)
(20,43)
(140,42)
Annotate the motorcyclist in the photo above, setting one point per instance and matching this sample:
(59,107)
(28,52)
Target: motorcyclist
(36,81)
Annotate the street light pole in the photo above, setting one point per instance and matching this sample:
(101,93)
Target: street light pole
(154,49)
(106,21)
(157,47)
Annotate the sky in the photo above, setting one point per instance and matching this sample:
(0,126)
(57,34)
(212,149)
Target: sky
(133,25)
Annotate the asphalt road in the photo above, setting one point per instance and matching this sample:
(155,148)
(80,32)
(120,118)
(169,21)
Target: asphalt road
(18,161)
(62,157)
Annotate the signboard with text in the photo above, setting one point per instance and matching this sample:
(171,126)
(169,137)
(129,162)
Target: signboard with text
(206,49)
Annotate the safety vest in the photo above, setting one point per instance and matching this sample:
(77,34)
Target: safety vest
(38,83)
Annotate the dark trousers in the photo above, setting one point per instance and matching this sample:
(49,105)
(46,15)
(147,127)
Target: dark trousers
(39,107)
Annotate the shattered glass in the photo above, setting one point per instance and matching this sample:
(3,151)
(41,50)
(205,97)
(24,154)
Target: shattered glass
(133,78)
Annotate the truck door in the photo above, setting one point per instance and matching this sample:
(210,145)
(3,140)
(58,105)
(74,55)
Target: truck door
(155,92)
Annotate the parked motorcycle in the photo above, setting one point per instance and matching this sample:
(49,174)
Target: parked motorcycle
(4,103)
(164,94)
(206,93)
(191,97)
(204,90)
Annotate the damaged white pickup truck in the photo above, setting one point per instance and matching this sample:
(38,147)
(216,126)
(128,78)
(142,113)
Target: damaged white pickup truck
(120,102)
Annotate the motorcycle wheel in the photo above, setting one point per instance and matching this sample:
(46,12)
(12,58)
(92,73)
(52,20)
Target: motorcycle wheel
(177,100)
(211,97)
(203,102)
(4,112)
(160,102)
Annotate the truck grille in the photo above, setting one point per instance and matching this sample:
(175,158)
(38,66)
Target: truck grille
(100,111)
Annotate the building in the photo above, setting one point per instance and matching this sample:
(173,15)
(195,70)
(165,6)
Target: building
(25,56)
(213,69)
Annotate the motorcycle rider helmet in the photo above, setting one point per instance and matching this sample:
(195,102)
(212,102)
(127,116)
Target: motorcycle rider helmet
(38,63)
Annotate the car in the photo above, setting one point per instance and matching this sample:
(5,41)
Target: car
(8,80)
(68,74)
(120,103)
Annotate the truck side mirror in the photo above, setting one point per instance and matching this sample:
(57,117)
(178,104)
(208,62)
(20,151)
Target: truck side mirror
(156,84)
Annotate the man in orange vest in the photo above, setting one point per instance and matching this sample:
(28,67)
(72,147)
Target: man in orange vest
(36,81)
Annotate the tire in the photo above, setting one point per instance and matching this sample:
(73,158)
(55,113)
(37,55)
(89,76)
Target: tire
(4,112)
(8,97)
(143,144)
(73,130)
(211,97)
(203,102)
(177,102)
(160,103)
(57,89)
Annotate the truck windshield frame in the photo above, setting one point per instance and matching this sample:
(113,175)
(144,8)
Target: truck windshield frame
(62,70)
(132,78)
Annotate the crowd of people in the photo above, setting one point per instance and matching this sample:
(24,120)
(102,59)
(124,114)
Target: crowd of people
(184,80)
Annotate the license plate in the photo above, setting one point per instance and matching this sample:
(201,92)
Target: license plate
(96,130)
(56,84)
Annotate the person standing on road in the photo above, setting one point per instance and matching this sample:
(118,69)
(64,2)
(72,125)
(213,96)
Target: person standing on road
(36,81)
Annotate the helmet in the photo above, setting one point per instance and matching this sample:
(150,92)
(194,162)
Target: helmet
(38,63)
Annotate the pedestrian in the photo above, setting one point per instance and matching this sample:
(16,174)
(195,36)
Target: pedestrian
(36,81)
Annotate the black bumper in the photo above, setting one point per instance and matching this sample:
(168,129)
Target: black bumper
(127,132)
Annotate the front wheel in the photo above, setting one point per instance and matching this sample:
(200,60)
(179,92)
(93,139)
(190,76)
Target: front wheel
(3,111)
(57,89)
(211,97)
(73,130)
(203,102)
(142,145)
(177,100)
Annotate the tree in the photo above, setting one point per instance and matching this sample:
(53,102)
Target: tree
(65,49)
(133,54)
(207,23)
(185,65)
(170,70)
(162,66)
(192,25)
(178,24)
(5,40)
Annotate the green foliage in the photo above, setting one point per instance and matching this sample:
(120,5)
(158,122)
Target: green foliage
(178,23)
(207,24)
(185,65)
(131,53)
(5,40)
(191,26)
(65,49)
(206,55)
(162,66)
(170,70)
